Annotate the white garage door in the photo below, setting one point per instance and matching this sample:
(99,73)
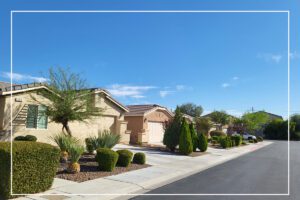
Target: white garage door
(156,132)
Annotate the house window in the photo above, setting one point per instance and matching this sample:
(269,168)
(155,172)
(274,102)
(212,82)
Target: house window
(36,117)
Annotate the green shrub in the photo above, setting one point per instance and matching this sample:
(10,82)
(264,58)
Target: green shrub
(34,167)
(125,157)
(214,142)
(202,145)
(107,159)
(139,158)
(185,140)
(244,143)
(194,136)
(255,141)
(260,139)
(89,145)
(217,133)
(237,140)
(215,138)
(105,139)
(64,141)
(251,141)
(225,142)
(172,131)
(31,138)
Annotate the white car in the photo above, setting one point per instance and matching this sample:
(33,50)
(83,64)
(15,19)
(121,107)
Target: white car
(247,136)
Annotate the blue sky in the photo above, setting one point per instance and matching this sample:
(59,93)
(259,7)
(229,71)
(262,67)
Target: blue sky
(222,61)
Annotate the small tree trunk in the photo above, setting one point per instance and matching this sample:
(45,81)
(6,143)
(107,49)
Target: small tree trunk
(67,128)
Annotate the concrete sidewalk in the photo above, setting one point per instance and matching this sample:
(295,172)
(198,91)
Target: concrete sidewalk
(166,168)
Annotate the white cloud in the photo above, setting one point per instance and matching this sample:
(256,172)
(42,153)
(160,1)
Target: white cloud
(235,78)
(225,85)
(23,77)
(180,87)
(270,57)
(136,92)
(234,112)
(164,93)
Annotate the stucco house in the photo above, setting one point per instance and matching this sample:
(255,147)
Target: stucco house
(28,118)
(147,123)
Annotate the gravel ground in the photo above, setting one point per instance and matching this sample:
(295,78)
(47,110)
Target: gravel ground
(89,170)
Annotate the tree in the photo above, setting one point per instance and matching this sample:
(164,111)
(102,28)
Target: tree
(185,139)
(194,136)
(219,117)
(295,134)
(255,121)
(70,99)
(172,131)
(203,125)
(191,109)
(202,142)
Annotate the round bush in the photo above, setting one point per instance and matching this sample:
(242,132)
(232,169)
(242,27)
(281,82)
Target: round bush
(107,159)
(217,133)
(260,139)
(237,140)
(139,158)
(34,167)
(125,157)
(225,142)
(31,138)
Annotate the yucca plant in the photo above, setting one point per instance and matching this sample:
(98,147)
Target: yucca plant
(106,139)
(63,142)
(75,151)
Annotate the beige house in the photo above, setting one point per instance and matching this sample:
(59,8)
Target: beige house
(28,118)
(147,123)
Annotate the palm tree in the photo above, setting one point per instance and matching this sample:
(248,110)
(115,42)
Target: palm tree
(70,99)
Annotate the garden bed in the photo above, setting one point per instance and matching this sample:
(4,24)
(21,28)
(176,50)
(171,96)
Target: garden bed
(89,170)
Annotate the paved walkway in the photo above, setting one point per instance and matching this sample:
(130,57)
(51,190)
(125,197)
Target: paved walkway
(166,168)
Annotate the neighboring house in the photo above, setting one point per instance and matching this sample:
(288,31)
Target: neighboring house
(147,123)
(28,116)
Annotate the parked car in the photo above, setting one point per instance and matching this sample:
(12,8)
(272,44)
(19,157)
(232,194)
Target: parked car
(247,136)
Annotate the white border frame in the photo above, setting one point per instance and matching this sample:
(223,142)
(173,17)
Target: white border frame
(152,11)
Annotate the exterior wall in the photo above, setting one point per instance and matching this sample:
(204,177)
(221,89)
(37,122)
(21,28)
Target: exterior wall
(135,125)
(110,120)
(138,125)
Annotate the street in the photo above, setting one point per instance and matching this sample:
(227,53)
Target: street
(264,171)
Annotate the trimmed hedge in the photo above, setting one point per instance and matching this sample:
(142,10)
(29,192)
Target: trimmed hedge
(225,142)
(139,158)
(34,167)
(237,140)
(125,157)
(107,159)
(202,144)
(31,138)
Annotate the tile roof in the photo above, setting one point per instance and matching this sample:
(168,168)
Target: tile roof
(135,110)
(6,87)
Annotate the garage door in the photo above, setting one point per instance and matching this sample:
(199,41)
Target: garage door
(156,132)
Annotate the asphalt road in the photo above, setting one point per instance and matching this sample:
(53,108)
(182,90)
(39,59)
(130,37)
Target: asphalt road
(264,171)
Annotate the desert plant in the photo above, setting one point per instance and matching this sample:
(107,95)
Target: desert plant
(202,145)
(34,167)
(89,145)
(63,142)
(185,140)
(194,136)
(105,139)
(125,157)
(75,151)
(107,159)
(172,131)
(139,158)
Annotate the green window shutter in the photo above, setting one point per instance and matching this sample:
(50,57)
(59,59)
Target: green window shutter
(31,116)
(42,119)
